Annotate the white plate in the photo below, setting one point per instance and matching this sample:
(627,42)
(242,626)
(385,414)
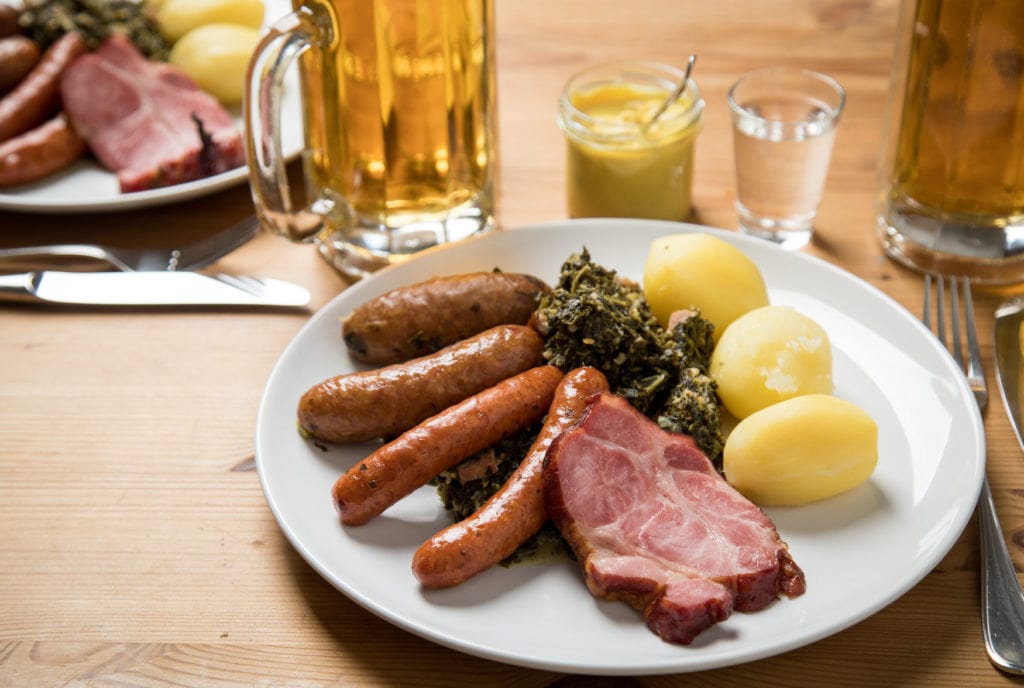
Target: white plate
(859,551)
(86,186)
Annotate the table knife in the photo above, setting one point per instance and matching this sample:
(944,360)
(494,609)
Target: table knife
(1009,316)
(1004,623)
(145,289)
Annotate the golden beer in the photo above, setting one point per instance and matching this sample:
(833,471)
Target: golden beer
(955,187)
(399,109)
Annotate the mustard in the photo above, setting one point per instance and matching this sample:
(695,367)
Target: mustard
(616,166)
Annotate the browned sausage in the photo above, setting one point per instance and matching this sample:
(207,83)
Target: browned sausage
(8,20)
(421,318)
(387,401)
(18,55)
(440,442)
(37,96)
(516,511)
(39,152)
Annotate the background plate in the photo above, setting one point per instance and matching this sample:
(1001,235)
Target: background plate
(859,551)
(86,187)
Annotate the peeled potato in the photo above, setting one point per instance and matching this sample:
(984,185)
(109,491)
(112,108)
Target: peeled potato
(801,450)
(177,17)
(769,355)
(686,271)
(216,57)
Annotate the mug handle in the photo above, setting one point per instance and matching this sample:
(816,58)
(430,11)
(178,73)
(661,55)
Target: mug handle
(285,40)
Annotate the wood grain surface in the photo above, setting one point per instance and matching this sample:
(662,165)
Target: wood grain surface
(136,548)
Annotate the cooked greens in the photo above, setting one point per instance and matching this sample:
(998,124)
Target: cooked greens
(47,20)
(595,318)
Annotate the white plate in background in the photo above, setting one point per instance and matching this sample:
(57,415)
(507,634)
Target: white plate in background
(85,186)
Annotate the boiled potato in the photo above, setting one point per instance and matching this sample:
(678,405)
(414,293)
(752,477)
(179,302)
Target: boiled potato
(687,271)
(177,17)
(216,57)
(801,450)
(768,355)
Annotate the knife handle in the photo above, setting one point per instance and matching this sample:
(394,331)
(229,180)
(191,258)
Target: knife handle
(18,287)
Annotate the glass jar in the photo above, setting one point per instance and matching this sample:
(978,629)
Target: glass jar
(619,163)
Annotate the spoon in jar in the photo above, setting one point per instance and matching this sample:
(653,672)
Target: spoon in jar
(675,94)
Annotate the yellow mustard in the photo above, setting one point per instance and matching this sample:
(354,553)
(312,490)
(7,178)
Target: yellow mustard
(616,165)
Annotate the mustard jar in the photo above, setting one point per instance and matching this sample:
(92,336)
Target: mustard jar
(620,163)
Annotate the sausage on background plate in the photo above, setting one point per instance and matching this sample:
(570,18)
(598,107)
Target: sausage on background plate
(37,96)
(385,402)
(421,318)
(39,152)
(438,443)
(516,511)
(18,55)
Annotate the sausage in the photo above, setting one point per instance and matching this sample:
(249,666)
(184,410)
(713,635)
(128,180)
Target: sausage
(421,318)
(8,20)
(516,511)
(438,443)
(39,152)
(388,401)
(38,95)
(18,55)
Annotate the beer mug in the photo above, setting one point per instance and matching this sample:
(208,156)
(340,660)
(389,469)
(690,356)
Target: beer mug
(952,197)
(399,109)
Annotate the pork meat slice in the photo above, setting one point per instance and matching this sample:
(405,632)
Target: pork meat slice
(654,525)
(147,121)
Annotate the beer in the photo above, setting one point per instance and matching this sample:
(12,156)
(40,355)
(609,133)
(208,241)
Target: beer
(953,196)
(398,109)
(961,144)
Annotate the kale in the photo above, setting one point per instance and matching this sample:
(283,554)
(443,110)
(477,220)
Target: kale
(461,496)
(488,471)
(45,21)
(594,317)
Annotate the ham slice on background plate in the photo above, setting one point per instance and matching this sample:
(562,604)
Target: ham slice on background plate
(147,121)
(654,525)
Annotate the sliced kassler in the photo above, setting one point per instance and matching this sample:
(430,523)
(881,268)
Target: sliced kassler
(653,524)
(146,120)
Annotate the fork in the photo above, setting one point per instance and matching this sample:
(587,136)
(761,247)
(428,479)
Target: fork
(1002,601)
(190,257)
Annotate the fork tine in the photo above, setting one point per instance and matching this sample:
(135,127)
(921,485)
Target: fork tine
(954,313)
(940,311)
(926,309)
(975,372)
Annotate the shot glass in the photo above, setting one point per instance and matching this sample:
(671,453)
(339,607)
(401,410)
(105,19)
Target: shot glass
(784,126)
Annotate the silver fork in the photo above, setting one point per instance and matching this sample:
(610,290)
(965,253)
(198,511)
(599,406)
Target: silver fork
(190,257)
(1002,601)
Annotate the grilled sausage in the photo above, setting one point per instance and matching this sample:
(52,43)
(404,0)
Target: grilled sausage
(441,441)
(421,318)
(516,511)
(39,152)
(37,96)
(18,55)
(8,20)
(388,401)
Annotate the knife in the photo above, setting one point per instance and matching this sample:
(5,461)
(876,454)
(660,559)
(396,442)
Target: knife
(119,289)
(1009,316)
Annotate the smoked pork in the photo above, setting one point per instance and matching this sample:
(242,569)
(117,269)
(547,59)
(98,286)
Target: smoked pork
(654,525)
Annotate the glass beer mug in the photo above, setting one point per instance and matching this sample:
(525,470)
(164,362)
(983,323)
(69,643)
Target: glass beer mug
(399,106)
(953,176)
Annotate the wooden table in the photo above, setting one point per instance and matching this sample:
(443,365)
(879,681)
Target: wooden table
(136,547)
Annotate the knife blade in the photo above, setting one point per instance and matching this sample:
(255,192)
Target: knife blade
(1009,318)
(121,289)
